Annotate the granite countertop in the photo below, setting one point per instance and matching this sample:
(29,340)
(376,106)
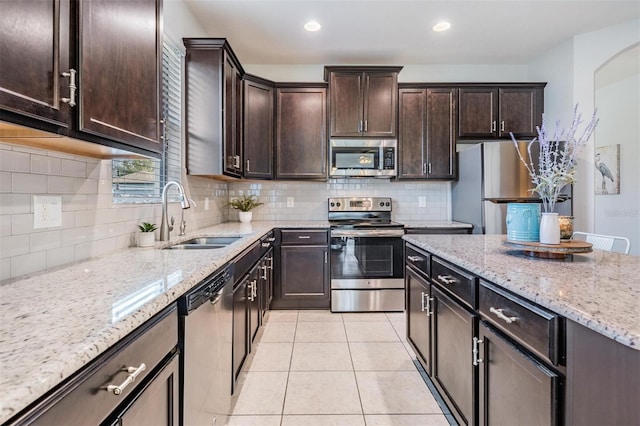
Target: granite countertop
(434,224)
(54,322)
(598,290)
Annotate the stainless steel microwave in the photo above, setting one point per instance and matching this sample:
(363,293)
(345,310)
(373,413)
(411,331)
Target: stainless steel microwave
(363,158)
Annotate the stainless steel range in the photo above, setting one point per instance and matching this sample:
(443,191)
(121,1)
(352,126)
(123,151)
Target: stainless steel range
(367,273)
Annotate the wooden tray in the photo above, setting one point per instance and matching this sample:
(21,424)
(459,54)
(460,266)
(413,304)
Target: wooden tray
(550,251)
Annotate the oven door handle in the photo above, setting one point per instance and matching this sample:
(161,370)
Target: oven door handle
(368,233)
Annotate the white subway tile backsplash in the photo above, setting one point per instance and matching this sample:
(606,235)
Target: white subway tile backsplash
(74,168)
(14,245)
(46,165)
(15,203)
(44,240)
(5,181)
(28,263)
(21,223)
(13,161)
(60,256)
(5,225)
(5,268)
(26,183)
(86,186)
(60,185)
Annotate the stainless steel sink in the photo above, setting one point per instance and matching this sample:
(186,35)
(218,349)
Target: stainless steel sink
(204,243)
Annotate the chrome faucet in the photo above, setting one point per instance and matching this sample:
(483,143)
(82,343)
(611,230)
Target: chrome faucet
(183,223)
(165,227)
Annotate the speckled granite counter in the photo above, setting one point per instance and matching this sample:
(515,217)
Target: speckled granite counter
(53,323)
(599,290)
(435,224)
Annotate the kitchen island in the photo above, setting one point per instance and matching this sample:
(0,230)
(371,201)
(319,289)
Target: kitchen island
(506,337)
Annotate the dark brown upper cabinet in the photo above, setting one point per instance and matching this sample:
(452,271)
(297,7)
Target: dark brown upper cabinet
(493,111)
(258,127)
(213,104)
(362,101)
(108,93)
(427,132)
(301,123)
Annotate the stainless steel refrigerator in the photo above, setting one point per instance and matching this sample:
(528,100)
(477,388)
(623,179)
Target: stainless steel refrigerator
(490,175)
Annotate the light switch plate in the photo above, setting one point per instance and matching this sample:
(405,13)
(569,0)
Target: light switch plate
(422,201)
(290,202)
(47,211)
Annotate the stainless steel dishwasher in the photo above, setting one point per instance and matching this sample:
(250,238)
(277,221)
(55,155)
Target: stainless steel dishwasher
(206,333)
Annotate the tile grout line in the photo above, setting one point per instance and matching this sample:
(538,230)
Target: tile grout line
(286,386)
(353,367)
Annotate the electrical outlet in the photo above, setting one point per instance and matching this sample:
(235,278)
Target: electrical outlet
(47,211)
(422,201)
(206,203)
(290,202)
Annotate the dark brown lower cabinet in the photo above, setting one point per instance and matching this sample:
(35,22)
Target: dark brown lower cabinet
(514,387)
(253,308)
(157,403)
(302,280)
(418,293)
(453,371)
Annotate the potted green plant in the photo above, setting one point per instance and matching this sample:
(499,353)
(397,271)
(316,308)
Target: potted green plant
(146,236)
(245,205)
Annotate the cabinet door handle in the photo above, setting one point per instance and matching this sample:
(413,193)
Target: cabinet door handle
(71,100)
(236,161)
(326,257)
(304,237)
(493,126)
(248,165)
(424,168)
(133,373)
(423,308)
(429,169)
(476,351)
(366,125)
(502,126)
(415,258)
(429,306)
(447,279)
(264,271)
(502,316)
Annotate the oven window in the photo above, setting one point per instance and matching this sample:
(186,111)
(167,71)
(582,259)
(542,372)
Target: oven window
(366,257)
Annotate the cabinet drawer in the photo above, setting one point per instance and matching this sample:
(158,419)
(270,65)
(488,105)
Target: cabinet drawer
(85,400)
(530,325)
(455,281)
(418,259)
(304,236)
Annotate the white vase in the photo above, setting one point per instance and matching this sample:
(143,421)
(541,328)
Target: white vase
(146,239)
(245,217)
(550,228)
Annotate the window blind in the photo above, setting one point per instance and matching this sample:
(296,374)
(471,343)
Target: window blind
(142,180)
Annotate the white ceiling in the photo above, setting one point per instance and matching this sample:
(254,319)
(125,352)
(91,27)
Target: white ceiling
(399,32)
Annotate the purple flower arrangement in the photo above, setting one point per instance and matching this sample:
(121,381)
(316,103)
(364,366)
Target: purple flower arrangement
(557,157)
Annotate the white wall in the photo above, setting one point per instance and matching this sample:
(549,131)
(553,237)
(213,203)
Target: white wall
(569,68)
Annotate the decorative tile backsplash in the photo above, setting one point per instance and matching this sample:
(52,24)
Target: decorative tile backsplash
(93,225)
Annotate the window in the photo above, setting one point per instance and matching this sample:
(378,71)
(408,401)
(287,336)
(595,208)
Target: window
(142,180)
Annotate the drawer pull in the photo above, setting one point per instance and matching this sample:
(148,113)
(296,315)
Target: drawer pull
(447,279)
(415,258)
(304,237)
(476,351)
(133,373)
(502,316)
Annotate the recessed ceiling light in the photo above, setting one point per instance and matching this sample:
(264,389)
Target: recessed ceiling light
(312,26)
(441,26)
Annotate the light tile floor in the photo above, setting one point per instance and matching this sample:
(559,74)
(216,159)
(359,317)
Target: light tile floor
(315,368)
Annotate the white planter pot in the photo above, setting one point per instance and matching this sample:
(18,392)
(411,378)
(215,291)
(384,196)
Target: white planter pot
(146,239)
(550,228)
(245,217)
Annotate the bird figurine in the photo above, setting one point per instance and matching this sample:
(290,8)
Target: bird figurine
(606,173)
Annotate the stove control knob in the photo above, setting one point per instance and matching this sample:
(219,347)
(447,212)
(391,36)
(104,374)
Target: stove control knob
(381,204)
(387,204)
(332,204)
(338,204)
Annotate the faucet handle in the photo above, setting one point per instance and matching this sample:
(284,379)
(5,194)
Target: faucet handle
(183,227)
(171,222)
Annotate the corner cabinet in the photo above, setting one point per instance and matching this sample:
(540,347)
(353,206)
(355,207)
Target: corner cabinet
(362,101)
(107,94)
(493,111)
(427,132)
(213,108)
(258,119)
(301,123)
